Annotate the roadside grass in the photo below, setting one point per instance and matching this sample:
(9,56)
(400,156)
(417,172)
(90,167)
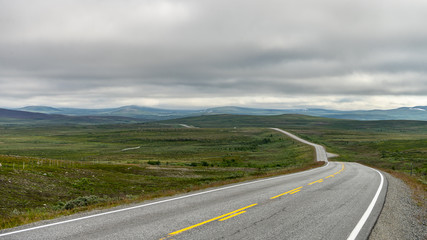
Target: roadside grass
(402,152)
(50,177)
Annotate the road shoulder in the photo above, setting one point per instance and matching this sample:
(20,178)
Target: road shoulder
(400,218)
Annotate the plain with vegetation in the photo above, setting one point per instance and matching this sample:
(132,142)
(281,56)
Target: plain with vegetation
(58,169)
(54,170)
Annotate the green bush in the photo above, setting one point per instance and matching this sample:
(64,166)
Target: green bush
(153,162)
(83,184)
(81,202)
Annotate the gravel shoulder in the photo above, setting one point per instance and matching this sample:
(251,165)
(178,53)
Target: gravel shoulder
(401,217)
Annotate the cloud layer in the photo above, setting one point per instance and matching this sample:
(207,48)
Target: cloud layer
(284,54)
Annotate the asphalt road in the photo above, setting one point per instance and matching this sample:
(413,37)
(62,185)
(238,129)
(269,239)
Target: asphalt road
(321,154)
(331,202)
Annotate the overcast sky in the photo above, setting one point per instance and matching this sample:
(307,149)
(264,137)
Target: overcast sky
(339,54)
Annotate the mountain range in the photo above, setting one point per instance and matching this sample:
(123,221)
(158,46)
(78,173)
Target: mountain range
(144,114)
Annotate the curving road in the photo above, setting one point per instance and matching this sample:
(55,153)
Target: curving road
(321,154)
(337,201)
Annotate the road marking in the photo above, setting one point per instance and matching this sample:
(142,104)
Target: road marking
(318,181)
(159,202)
(211,220)
(231,216)
(342,169)
(368,211)
(295,189)
(240,211)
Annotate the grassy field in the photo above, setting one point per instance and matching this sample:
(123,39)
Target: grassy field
(396,145)
(56,170)
(165,145)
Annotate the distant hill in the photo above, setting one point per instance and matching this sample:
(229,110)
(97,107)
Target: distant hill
(125,111)
(296,121)
(405,113)
(23,117)
(13,114)
(155,114)
(41,109)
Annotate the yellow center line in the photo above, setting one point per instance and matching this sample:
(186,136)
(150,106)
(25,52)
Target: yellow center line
(210,220)
(240,211)
(295,189)
(231,216)
(318,181)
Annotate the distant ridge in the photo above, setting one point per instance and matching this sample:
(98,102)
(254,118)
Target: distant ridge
(6,113)
(155,114)
(40,109)
(23,117)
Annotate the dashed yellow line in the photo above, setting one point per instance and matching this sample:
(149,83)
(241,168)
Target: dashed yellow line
(211,220)
(295,190)
(241,210)
(332,175)
(231,216)
(318,181)
(342,169)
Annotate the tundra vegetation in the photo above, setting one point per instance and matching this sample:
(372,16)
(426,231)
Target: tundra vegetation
(48,171)
(396,146)
(52,170)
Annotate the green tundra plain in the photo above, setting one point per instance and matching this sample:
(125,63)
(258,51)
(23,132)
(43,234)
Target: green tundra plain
(52,170)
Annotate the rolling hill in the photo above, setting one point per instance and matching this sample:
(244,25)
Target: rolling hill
(8,116)
(155,114)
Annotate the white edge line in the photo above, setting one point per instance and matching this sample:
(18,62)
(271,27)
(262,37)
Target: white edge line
(368,211)
(158,202)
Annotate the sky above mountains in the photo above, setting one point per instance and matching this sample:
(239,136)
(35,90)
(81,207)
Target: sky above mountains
(201,53)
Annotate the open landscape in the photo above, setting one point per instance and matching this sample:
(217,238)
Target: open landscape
(397,145)
(52,170)
(210,119)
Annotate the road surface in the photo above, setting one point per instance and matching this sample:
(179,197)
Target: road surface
(321,154)
(337,201)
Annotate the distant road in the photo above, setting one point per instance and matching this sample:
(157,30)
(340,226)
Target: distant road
(321,154)
(187,126)
(337,201)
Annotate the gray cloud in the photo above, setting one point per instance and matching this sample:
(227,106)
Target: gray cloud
(155,52)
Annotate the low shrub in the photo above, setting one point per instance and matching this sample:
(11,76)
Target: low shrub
(153,162)
(81,202)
